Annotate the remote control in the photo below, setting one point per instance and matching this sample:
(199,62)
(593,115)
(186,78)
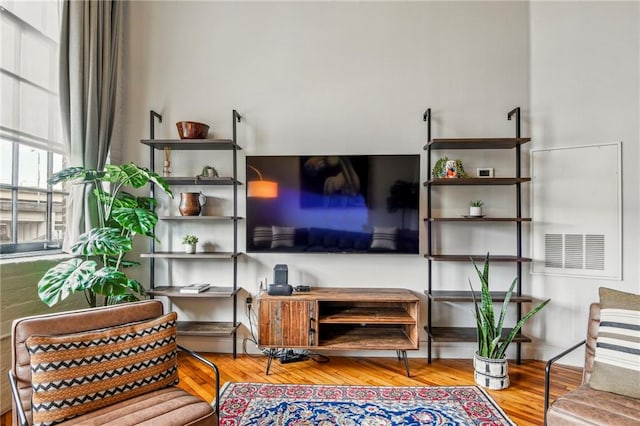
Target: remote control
(303,288)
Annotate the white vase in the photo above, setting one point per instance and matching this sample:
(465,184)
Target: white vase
(475,211)
(189,248)
(491,373)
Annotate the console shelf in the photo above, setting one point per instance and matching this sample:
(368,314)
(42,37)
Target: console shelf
(190,180)
(200,218)
(478,219)
(476,181)
(475,257)
(192,144)
(465,296)
(476,143)
(174,291)
(466,334)
(207,328)
(182,255)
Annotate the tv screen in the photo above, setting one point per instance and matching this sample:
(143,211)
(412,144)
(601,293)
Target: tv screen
(333,204)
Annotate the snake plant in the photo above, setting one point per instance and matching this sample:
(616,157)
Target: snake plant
(99,254)
(490,341)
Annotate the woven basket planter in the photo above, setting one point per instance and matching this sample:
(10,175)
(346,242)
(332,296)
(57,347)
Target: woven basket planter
(491,373)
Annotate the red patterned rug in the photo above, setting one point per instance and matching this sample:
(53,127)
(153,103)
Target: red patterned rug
(325,405)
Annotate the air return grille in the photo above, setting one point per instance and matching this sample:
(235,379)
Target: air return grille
(574,251)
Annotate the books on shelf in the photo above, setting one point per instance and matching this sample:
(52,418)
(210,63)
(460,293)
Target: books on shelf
(194,288)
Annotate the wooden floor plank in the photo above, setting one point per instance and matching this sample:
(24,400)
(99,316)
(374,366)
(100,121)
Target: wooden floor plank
(523,401)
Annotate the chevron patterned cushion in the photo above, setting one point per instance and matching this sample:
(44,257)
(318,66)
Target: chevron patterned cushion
(616,366)
(78,373)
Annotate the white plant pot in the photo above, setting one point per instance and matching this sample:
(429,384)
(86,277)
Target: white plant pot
(491,373)
(189,248)
(475,211)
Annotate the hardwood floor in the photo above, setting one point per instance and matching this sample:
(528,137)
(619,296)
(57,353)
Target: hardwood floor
(523,401)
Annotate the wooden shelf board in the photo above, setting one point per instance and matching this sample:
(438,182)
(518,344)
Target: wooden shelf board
(360,315)
(476,181)
(182,255)
(365,338)
(477,258)
(211,292)
(477,219)
(476,143)
(206,328)
(191,180)
(465,334)
(192,144)
(198,218)
(465,296)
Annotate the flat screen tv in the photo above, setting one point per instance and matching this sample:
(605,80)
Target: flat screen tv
(335,204)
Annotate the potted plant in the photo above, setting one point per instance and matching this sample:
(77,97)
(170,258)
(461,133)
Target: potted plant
(209,171)
(99,255)
(475,208)
(490,362)
(189,242)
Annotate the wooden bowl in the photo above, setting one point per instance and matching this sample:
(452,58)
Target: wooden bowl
(192,130)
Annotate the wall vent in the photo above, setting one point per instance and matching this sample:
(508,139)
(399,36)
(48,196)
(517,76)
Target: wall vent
(576,211)
(594,252)
(574,251)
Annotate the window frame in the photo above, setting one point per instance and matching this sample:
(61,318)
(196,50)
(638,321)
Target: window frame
(18,138)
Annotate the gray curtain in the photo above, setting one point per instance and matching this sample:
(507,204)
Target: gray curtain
(90,45)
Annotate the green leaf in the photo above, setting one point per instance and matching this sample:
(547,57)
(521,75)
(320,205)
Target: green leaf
(122,199)
(518,326)
(158,180)
(65,278)
(101,241)
(113,261)
(136,220)
(146,203)
(108,281)
(72,173)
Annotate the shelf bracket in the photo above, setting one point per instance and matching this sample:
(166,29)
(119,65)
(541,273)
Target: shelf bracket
(516,112)
(427,117)
(152,116)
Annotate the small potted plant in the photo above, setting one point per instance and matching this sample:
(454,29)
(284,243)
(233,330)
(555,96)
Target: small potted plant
(475,208)
(189,242)
(489,361)
(209,171)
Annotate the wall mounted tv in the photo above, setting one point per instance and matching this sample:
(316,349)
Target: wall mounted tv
(334,204)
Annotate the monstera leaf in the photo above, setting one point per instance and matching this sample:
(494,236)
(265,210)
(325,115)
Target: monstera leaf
(101,241)
(72,173)
(65,278)
(136,220)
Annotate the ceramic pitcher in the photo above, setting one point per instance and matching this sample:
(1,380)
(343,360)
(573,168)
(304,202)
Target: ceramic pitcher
(191,203)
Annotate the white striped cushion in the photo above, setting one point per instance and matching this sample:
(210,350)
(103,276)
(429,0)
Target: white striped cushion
(617,361)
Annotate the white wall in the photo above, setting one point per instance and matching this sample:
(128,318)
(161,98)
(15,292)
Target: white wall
(585,90)
(332,78)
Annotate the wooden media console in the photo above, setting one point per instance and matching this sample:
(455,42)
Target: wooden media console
(340,319)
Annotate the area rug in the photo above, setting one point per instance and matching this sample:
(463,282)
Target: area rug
(324,405)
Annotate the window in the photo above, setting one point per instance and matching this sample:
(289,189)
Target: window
(31,212)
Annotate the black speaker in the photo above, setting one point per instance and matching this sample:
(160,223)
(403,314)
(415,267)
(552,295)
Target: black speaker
(279,290)
(280,275)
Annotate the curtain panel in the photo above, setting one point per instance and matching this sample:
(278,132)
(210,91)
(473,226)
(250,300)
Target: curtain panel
(90,46)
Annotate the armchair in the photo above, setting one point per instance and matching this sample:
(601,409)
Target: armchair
(586,405)
(109,365)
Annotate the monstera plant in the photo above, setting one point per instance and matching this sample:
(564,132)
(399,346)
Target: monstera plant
(97,268)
